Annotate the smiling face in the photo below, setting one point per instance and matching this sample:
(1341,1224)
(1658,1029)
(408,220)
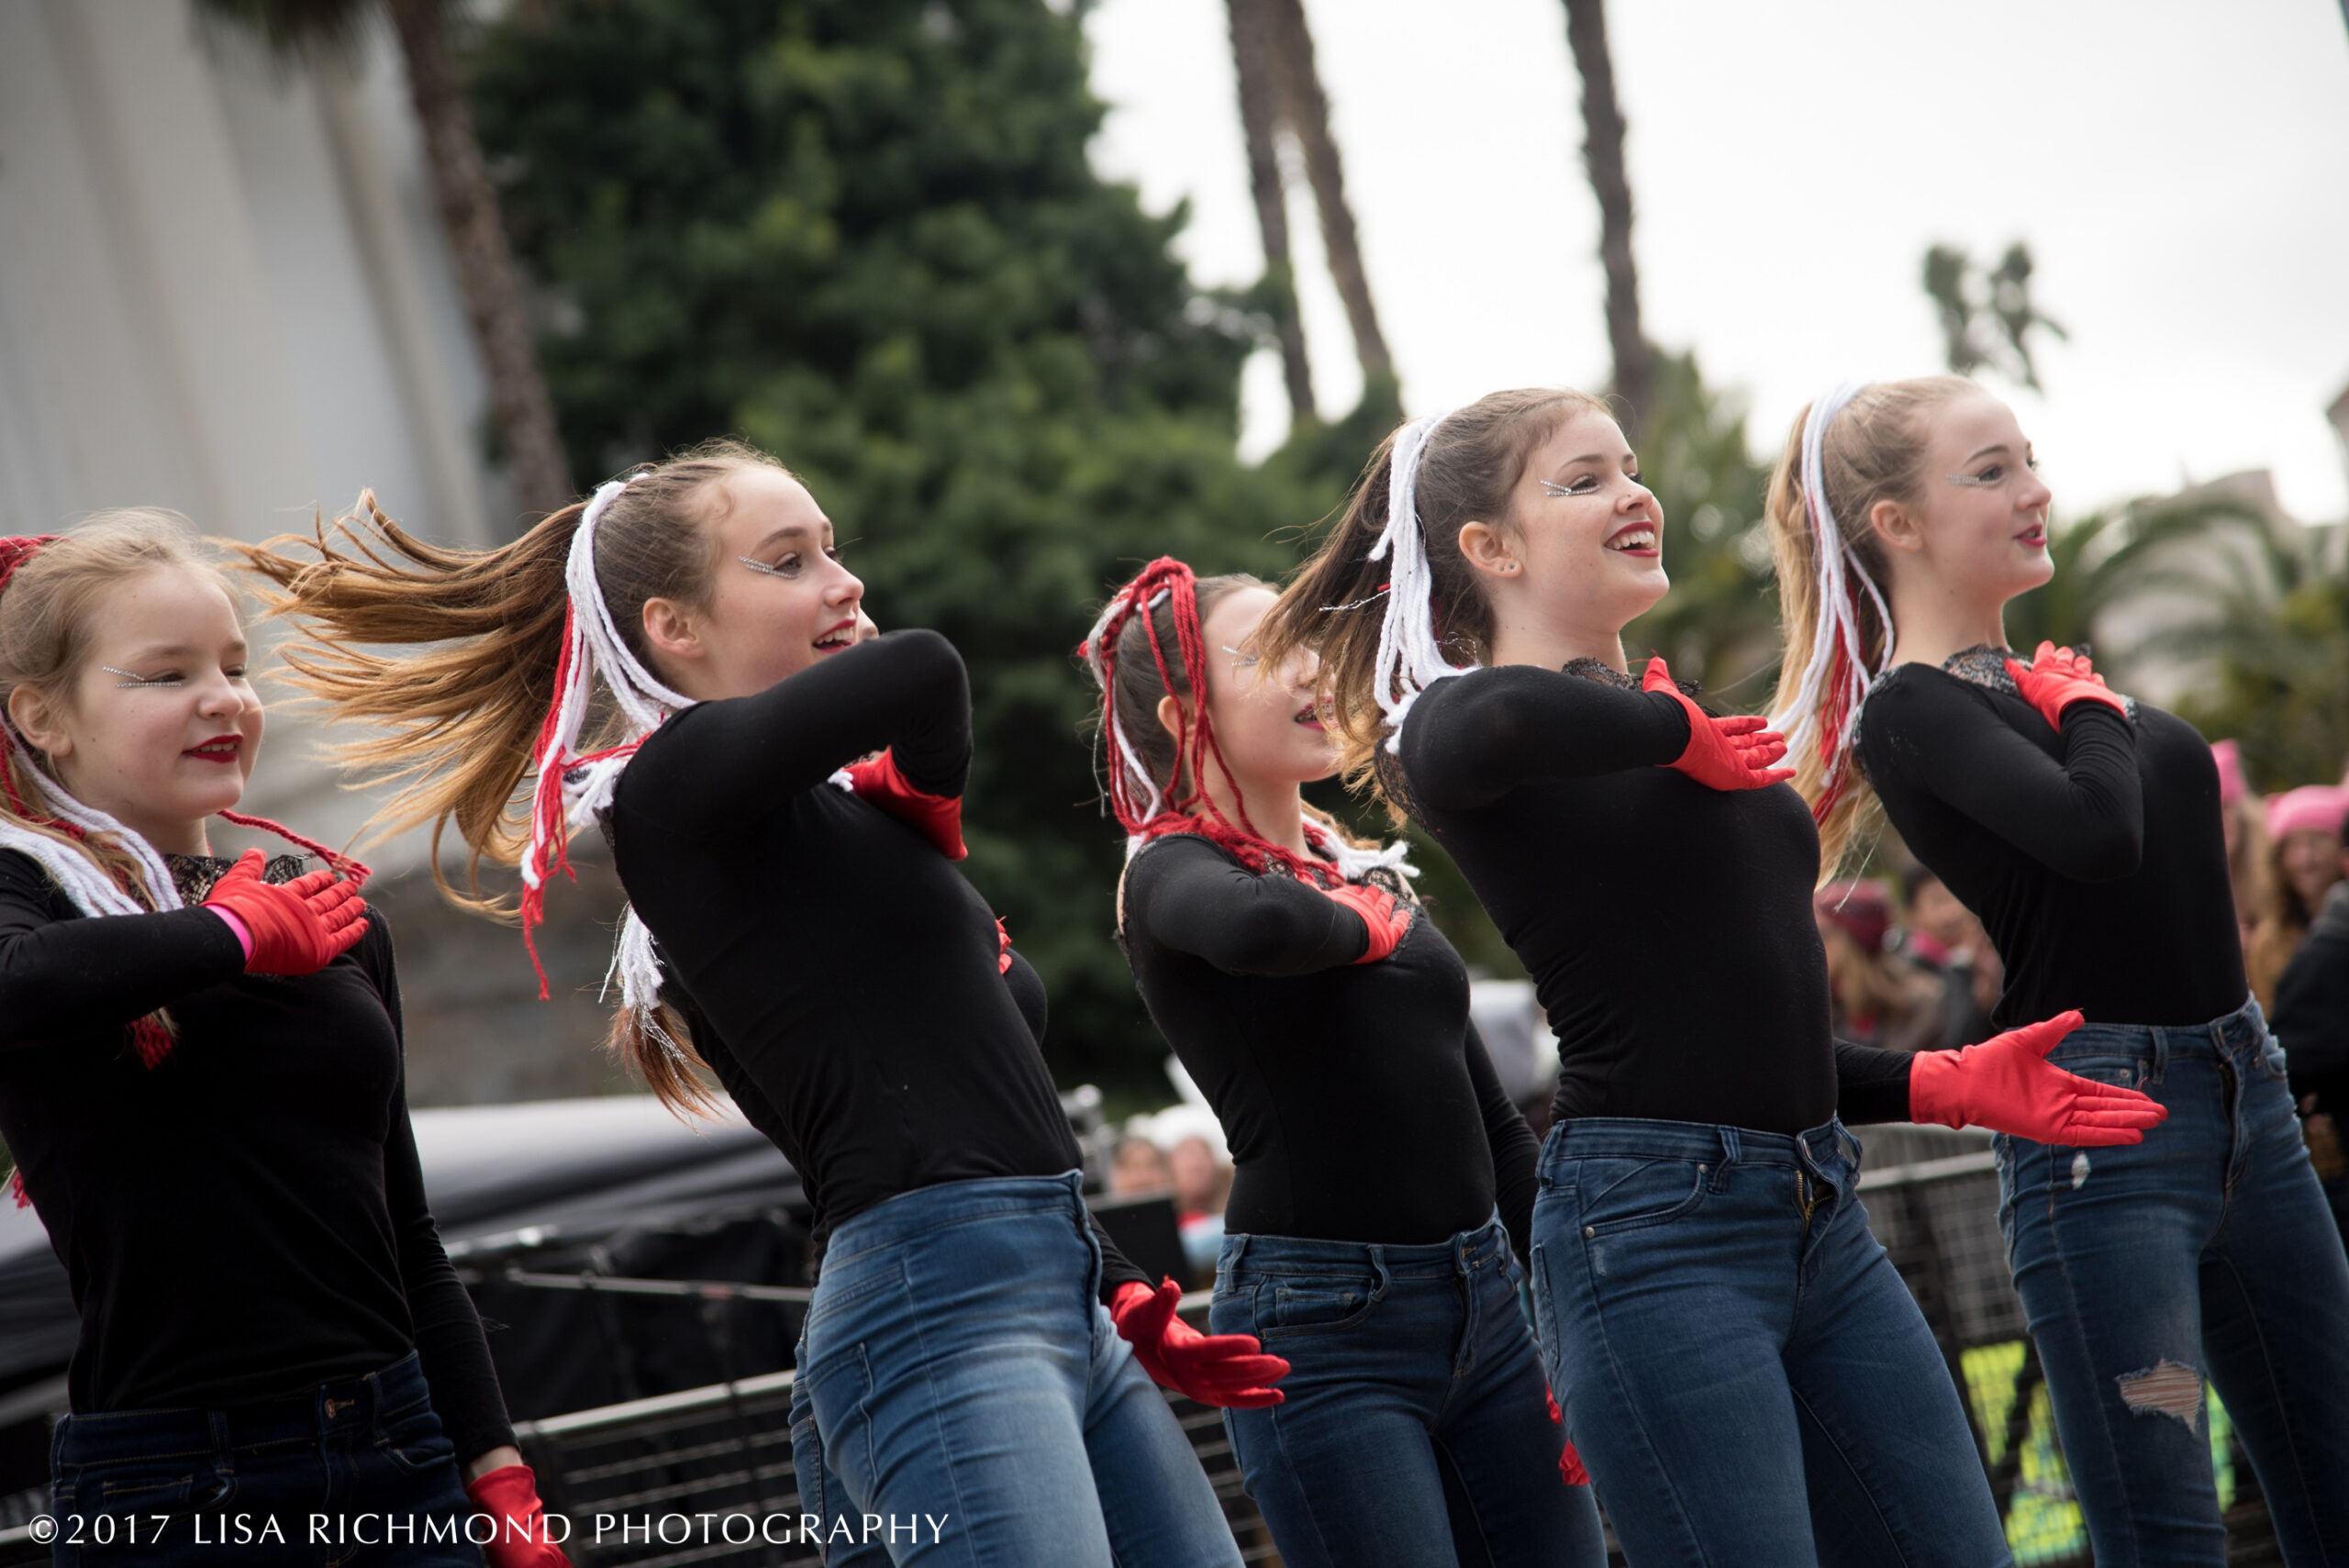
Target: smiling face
(1978,529)
(168,735)
(1268,722)
(2311,862)
(1584,547)
(779,598)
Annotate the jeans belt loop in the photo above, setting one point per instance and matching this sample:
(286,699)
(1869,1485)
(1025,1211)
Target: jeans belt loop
(2161,1051)
(1239,1244)
(1730,1149)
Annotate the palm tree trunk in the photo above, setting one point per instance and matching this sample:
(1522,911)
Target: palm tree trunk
(1257,66)
(1309,113)
(1603,153)
(533,444)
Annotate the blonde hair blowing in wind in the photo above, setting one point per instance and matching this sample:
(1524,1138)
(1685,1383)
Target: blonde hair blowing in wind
(1849,449)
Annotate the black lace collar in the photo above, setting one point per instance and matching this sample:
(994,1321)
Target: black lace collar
(194,875)
(1980,665)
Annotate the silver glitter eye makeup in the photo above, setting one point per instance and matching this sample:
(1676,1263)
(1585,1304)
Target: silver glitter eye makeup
(761,566)
(139,680)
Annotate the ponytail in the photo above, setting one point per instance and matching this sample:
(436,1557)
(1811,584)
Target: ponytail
(1852,447)
(526,658)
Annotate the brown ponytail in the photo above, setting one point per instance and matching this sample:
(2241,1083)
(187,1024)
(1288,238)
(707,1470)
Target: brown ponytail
(455,719)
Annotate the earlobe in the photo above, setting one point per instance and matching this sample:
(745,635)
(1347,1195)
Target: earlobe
(29,711)
(1170,715)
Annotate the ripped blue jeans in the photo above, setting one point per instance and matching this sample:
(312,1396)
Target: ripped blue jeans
(2205,1251)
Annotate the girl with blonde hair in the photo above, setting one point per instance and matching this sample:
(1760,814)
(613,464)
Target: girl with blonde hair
(201,1078)
(2083,826)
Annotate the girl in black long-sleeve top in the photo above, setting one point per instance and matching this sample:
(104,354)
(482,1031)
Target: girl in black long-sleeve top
(783,807)
(1742,1371)
(201,1080)
(2084,828)
(1327,1021)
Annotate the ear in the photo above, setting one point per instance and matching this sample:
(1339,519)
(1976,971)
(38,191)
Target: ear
(1898,526)
(670,631)
(37,721)
(1483,547)
(1170,715)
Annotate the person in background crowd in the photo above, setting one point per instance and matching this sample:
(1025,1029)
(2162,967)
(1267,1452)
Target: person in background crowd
(1202,1182)
(2245,817)
(1138,1168)
(1880,997)
(2313,1021)
(2304,859)
(1941,936)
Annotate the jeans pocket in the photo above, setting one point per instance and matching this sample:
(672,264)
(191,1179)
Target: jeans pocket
(1309,1305)
(414,1440)
(1627,1195)
(1546,1308)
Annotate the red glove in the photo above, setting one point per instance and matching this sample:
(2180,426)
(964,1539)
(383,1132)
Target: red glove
(509,1496)
(1723,753)
(1002,948)
(294,927)
(1217,1369)
(2058,678)
(937,818)
(1387,918)
(1570,1470)
(2005,1084)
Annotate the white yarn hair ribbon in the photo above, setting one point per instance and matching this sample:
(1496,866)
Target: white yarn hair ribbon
(597,651)
(92,891)
(1096,661)
(1409,655)
(1834,626)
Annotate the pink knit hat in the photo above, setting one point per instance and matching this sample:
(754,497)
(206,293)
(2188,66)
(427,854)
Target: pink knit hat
(2233,785)
(2310,808)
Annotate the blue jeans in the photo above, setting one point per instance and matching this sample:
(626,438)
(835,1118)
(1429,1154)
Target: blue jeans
(2205,1251)
(1416,1412)
(1745,1375)
(845,1542)
(355,1471)
(972,1391)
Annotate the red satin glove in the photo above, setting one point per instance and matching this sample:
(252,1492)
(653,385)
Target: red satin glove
(509,1496)
(1214,1369)
(1570,1470)
(937,818)
(1002,948)
(1380,910)
(1723,753)
(2006,1084)
(2056,679)
(294,927)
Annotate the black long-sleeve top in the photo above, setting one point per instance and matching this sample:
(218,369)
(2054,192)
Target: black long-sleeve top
(246,1218)
(2094,856)
(848,973)
(1667,926)
(1311,1060)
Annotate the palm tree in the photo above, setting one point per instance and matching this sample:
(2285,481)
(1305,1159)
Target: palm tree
(1308,109)
(1256,62)
(1602,150)
(486,275)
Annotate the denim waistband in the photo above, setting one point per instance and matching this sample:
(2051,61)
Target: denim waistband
(2244,1030)
(896,1220)
(343,1406)
(1484,1247)
(1606,1137)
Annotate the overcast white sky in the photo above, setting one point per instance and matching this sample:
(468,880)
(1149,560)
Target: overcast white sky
(2180,169)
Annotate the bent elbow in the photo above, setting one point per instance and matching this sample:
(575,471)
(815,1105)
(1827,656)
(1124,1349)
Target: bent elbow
(2108,857)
